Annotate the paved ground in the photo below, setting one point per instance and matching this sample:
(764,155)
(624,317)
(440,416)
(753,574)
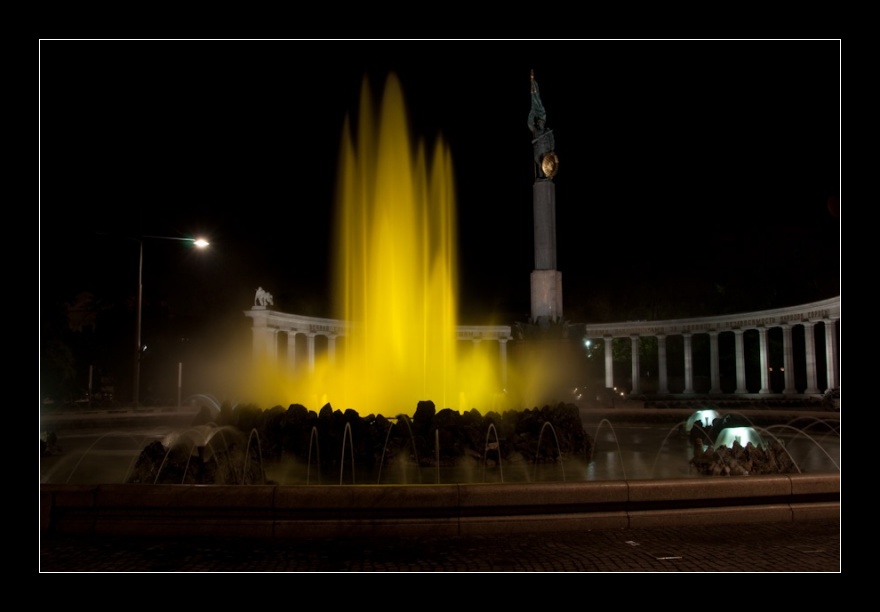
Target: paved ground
(802,546)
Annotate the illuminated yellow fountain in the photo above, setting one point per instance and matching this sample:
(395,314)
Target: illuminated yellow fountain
(396,279)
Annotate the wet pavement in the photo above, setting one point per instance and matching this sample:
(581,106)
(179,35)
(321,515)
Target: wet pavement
(800,546)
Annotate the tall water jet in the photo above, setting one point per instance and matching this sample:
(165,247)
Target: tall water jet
(396,278)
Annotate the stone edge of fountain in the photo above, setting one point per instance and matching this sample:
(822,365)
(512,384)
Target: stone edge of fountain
(315,511)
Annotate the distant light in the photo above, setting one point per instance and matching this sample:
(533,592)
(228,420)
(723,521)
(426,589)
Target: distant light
(705,418)
(201,243)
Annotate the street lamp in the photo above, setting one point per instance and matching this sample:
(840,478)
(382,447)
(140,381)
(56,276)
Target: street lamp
(200,243)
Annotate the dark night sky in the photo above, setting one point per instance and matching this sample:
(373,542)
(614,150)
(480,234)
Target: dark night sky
(706,162)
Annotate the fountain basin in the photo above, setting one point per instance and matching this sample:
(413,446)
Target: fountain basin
(430,510)
(634,445)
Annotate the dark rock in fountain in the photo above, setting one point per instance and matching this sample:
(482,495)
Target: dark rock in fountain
(444,438)
(743,460)
(204,454)
(737,460)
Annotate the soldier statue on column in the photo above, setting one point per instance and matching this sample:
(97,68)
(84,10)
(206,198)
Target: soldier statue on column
(544,144)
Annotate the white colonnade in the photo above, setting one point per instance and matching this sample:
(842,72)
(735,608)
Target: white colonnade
(804,320)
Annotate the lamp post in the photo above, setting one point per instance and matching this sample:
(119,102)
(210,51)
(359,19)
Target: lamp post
(200,243)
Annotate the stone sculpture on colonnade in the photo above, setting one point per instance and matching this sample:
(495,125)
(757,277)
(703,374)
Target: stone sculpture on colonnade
(263,298)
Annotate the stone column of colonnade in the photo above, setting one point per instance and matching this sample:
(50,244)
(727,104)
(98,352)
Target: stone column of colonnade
(758,323)
(831,355)
(291,349)
(739,339)
(609,363)
(688,365)
(763,352)
(788,360)
(714,363)
(331,348)
(263,339)
(271,343)
(812,382)
(502,349)
(310,343)
(310,348)
(663,382)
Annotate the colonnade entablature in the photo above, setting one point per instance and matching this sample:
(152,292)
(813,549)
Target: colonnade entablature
(281,321)
(823,314)
(827,310)
(497,333)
